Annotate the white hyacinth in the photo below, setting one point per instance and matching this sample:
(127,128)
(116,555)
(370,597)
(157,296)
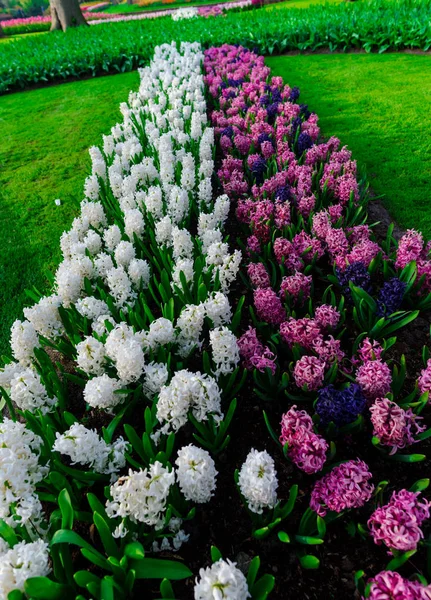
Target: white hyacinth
(258,481)
(196,474)
(156,376)
(142,495)
(23,341)
(91,307)
(20,472)
(188,391)
(218,309)
(21,562)
(91,356)
(225,350)
(139,272)
(124,253)
(28,392)
(84,446)
(99,392)
(45,318)
(222,581)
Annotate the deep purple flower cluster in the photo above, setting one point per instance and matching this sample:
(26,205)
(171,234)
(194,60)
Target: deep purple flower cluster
(356,273)
(340,406)
(390,297)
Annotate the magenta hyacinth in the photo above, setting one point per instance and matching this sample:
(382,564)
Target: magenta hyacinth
(304,332)
(254,353)
(306,449)
(394,426)
(375,379)
(258,275)
(398,523)
(309,373)
(327,316)
(424,380)
(268,306)
(390,585)
(297,286)
(369,350)
(346,486)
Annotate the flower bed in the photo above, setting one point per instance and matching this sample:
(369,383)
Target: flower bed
(175,394)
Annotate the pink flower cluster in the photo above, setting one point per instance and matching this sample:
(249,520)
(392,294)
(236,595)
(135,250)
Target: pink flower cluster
(412,247)
(390,585)
(306,449)
(398,523)
(424,381)
(373,375)
(254,354)
(347,486)
(394,426)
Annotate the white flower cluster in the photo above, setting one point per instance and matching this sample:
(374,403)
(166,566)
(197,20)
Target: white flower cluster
(85,447)
(225,350)
(196,474)
(21,562)
(258,481)
(141,495)
(188,12)
(222,581)
(20,471)
(177,539)
(188,391)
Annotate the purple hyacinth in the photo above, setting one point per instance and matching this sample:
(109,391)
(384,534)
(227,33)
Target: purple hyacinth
(258,169)
(340,406)
(358,274)
(283,193)
(296,124)
(390,297)
(304,143)
(294,94)
(227,131)
(264,137)
(272,112)
(304,111)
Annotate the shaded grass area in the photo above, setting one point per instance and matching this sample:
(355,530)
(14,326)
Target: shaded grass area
(377,105)
(46,134)
(136,8)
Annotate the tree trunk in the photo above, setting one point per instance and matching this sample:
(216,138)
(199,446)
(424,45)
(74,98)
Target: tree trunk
(65,14)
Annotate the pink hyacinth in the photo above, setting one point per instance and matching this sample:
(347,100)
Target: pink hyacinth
(298,286)
(398,523)
(375,379)
(424,380)
(307,450)
(285,252)
(327,316)
(328,350)
(253,245)
(258,275)
(369,350)
(346,486)
(254,353)
(309,373)
(282,215)
(410,248)
(292,420)
(268,306)
(390,585)
(300,331)
(394,426)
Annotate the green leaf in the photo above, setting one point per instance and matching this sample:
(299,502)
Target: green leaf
(66,508)
(308,540)
(166,590)
(397,562)
(106,537)
(83,578)
(283,537)
(134,550)
(409,458)
(215,554)
(8,533)
(420,485)
(263,587)
(42,588)
(107,589)
(309,561)
(157,568)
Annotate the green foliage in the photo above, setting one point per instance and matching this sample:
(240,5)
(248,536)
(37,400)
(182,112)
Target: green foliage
(120,47)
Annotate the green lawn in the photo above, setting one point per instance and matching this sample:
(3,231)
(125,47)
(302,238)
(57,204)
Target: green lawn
(46,134)
(378,105)
(125,8)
